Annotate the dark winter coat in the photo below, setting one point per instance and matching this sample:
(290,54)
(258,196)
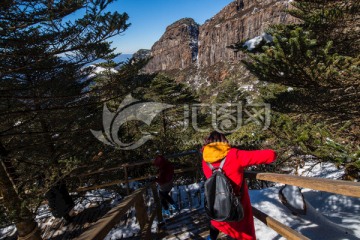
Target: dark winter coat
(60,202)
(236,161)
(166,173)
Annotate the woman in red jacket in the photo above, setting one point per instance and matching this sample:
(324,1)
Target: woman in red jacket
(215,149)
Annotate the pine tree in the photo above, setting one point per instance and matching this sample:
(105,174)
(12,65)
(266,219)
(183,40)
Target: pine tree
(45,100)
(316,65)
(230,93)
(165,90)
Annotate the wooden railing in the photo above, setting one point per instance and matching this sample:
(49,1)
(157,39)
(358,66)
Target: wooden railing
(346,188)
(126,180)
(103,226)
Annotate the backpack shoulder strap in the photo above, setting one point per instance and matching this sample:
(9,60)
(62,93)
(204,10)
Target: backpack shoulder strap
(210,166)
(220,167)
(242,187)
(222,163)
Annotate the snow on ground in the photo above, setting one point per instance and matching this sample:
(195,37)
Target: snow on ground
(187,196)
(128,230)
(7,231)
(293,197)
(328,216)
(96,197)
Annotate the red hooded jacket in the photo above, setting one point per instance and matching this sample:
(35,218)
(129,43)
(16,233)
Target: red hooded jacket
(236,161)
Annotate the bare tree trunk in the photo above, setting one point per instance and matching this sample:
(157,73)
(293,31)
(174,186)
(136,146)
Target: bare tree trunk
(26,226)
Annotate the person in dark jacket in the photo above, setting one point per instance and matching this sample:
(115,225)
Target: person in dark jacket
(215,149)
(60,202)
(165,181)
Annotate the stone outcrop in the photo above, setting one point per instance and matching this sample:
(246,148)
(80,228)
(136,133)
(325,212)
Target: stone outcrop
(238,21)
(185,44)
(142,54)
(177,48)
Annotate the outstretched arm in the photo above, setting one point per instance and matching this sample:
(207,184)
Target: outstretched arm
(248,158)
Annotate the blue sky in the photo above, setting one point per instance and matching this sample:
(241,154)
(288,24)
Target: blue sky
(149,19)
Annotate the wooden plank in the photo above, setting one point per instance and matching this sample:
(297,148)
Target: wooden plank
(127,181)
(280,228)
(104,225)
(157,203)
(140,212)
(146,231)
(346,188)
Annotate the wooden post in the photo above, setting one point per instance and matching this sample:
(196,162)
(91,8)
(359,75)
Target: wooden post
(127,181)
(157,203)
(198,166)
(26,226)
(140,211)
(146,232)
(198,193)
(179,198)
(280,228)
(188,193)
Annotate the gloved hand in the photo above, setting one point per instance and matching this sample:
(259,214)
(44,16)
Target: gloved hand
(152,178)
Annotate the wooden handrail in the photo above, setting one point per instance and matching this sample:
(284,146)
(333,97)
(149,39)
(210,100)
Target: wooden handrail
(280,228)
(126,165)
(351,189)
(121,166)
(104,225)
(82,189)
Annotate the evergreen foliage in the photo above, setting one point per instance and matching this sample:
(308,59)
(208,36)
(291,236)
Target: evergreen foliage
(230,93)
(315,64)
(46,102)
(172,136)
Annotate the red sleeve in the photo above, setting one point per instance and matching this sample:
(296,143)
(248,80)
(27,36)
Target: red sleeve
(248,158)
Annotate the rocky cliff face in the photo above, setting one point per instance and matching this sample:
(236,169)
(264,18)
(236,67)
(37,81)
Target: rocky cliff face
(238,21)
(185,44)
(141,54)
(177,48)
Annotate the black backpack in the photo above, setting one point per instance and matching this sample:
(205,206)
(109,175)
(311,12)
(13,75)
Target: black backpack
(221,204)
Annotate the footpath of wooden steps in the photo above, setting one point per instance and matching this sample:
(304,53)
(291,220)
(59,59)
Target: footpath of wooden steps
(192,224)
(189,225)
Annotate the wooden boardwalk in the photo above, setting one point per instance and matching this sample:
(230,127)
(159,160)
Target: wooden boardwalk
(187,225)
(192,224)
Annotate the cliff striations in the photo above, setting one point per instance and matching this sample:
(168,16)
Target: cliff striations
(177,48)
(185,44)
(238,21)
